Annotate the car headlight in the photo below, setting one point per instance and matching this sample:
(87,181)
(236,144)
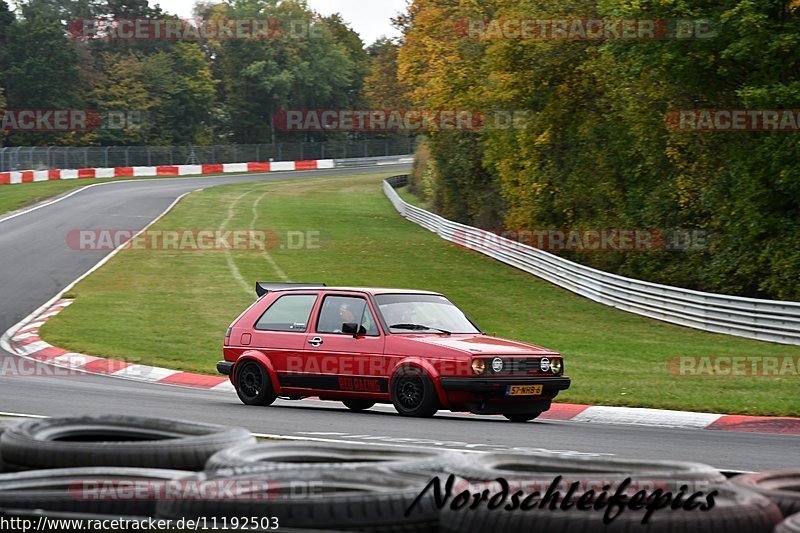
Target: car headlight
(544,364)
(497,365)
(556,366)
(478,366)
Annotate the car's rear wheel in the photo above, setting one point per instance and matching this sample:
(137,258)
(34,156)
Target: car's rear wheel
(357,405)
(413,394)
(521,417)
(253,385)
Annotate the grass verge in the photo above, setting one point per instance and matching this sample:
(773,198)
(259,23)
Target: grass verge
(21,195)
(170,308)
(14,197)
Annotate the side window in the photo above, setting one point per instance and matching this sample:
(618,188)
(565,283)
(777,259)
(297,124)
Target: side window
(290,312)
(337,310)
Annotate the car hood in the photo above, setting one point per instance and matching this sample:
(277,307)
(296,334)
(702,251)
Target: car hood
(475,344)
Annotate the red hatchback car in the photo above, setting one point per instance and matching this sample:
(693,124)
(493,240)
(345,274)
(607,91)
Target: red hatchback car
(361,346)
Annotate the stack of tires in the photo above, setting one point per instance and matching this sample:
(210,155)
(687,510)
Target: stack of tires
(134,467)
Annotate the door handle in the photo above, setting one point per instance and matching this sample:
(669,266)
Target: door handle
(316,341)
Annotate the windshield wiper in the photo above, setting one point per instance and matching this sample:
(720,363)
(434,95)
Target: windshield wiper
(418,327)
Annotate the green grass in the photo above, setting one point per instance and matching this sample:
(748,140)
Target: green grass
(13,197)
(21,195)
(171,308)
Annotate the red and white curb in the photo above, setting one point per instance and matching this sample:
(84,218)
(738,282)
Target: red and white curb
(640,416)
(29,176)
(26,342)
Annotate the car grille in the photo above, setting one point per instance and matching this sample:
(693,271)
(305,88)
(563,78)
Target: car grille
(520,366)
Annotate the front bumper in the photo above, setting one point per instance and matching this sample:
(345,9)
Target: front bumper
(497,386)
(225,367)
(487,396)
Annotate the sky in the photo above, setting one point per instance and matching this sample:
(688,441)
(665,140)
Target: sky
(370,18)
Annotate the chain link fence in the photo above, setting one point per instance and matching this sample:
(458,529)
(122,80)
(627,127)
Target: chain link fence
(47,157)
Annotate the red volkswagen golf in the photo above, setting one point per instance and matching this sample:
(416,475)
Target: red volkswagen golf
(361,346)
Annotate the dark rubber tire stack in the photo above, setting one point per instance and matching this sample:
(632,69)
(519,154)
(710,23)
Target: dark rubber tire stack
(88,490)
(349,500)
(489,467)
(265,456)
(113,440)
(780,486)
(735,511)
(790,525)
(2,464)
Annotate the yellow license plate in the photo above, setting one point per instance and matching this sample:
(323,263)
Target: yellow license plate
(523,390)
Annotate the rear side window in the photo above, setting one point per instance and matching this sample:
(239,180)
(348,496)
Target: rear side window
(290,312)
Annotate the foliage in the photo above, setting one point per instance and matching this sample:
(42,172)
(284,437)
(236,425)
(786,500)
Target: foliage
(595,150)
(177,91)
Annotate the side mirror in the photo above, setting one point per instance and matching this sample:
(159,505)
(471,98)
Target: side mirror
(353,329)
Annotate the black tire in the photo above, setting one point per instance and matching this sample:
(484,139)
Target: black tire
(2,464)
(253,385)
(114,440)
(413,394)
(523,467)
(267,456)
(93,490)
(357,405)
(780,486)
(521,417)
(790,525)
(735,510)
(351,500)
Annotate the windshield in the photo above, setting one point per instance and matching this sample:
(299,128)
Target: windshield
(423,313)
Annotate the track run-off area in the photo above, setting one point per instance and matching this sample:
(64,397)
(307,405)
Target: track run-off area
(36,266)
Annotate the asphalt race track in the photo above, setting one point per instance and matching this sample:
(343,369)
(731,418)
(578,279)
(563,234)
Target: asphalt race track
(35,265)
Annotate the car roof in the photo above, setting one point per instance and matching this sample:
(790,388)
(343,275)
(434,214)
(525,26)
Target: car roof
(369,290)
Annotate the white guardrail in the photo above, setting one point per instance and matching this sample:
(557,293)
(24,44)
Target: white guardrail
(766,320)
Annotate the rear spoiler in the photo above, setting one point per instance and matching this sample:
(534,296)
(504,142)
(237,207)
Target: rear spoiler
(263,287)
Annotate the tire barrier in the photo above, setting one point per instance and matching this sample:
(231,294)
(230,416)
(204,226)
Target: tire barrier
(267,456)
(780,486)
(2,465)
(60,465)
(790,525)
(366,499)
(735,511)
(75,490)
(521,467)
(114,440)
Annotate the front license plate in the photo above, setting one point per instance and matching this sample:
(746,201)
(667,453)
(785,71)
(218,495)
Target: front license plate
(523,390)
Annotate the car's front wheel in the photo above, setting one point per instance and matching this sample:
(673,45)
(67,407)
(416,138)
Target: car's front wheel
(357,405)
(413,394)
(253,385)
(521,417)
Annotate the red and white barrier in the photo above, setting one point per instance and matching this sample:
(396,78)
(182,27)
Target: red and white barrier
(27,176)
